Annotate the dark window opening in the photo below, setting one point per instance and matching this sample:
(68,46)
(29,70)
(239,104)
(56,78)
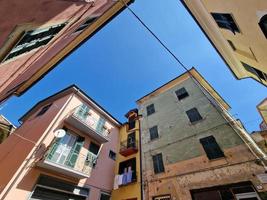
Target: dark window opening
(150,109)
(193,115)
(226,21)
(112,155)
(128,168)
(153,133)
(256,72)
(104,196)
(131,124)
(87,23)
(131,142)
(231,45)
(181,93)
(43,110)
(158,163)
(94,148)
(263,25)
(34,39)
(211,147)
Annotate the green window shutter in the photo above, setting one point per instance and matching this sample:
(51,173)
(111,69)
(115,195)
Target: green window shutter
(100,124)
(53,148)
(83,111)
(74,154)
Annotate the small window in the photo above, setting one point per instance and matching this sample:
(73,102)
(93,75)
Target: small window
(158,163)
(84,25)
(131,124)
(153,133)
(256,72)
(34,39)
(94,148)
(181,93)
(226,21)
(104,196)
(211,147)
(112,155)
(193,115)
(150,109)
(43,110)
(231,45)
(263,25)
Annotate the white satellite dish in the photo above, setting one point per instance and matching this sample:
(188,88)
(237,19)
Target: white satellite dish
(59,133)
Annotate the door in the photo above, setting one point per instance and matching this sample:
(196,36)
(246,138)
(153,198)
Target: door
(62,149)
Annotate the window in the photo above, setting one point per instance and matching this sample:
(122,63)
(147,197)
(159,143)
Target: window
(43,110)
(84,25)
(34,39)
(263,25)
(181,93)
(131,124)
(128,166)
(193,115)
(104,196)
(211,147)
(94,148)
(158,163)
(226,21)
(150,109)
(153,132)
(231,45)
(131,142)
(112,155)
(100,125)
(164,197)
(256,72)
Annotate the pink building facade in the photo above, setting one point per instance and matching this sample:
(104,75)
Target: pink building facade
(38,162)
(36,35)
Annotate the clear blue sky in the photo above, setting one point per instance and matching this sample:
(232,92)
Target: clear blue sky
(122,63)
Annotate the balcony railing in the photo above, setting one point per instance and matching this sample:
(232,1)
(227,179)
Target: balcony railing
(76,165)
(81,119)
(128,147)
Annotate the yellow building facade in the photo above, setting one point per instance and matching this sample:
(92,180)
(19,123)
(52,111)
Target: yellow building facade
(238,31)
(127,182)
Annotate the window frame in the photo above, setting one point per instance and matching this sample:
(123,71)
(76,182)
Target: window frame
(150,109)
(160,163)
(262,25)
(211,147)
(182,96)
(157,132)
(224,22)
(191,118)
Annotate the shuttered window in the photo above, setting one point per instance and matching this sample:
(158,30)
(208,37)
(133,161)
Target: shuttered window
(34,39)
(100,125)
(86,24)
(211,147)
(74,154)
(225,21)
(256,72)
(158,163)
(263,25)
(193,115)
(181,93)
(153,132)
(150,109)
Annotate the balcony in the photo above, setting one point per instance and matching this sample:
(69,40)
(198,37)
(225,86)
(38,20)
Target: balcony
(81,119)
(69,163)
(128,148)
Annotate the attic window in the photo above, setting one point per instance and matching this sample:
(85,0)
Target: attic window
(44,109)
(226,21)
(263,25)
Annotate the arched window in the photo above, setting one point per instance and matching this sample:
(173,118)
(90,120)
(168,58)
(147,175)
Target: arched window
(263,25)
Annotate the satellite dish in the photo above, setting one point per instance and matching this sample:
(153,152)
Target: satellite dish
(60,133)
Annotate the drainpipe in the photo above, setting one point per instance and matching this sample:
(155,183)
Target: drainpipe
(140,154)
(31,155)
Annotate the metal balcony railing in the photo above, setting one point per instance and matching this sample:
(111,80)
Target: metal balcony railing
(67,159)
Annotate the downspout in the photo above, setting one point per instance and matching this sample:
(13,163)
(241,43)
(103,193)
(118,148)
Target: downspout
(30,156)
(140,154)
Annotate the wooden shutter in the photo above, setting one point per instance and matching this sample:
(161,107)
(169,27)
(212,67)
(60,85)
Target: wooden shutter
(73,156)
(100,125)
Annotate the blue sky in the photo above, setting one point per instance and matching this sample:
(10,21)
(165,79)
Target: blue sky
(122,63)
